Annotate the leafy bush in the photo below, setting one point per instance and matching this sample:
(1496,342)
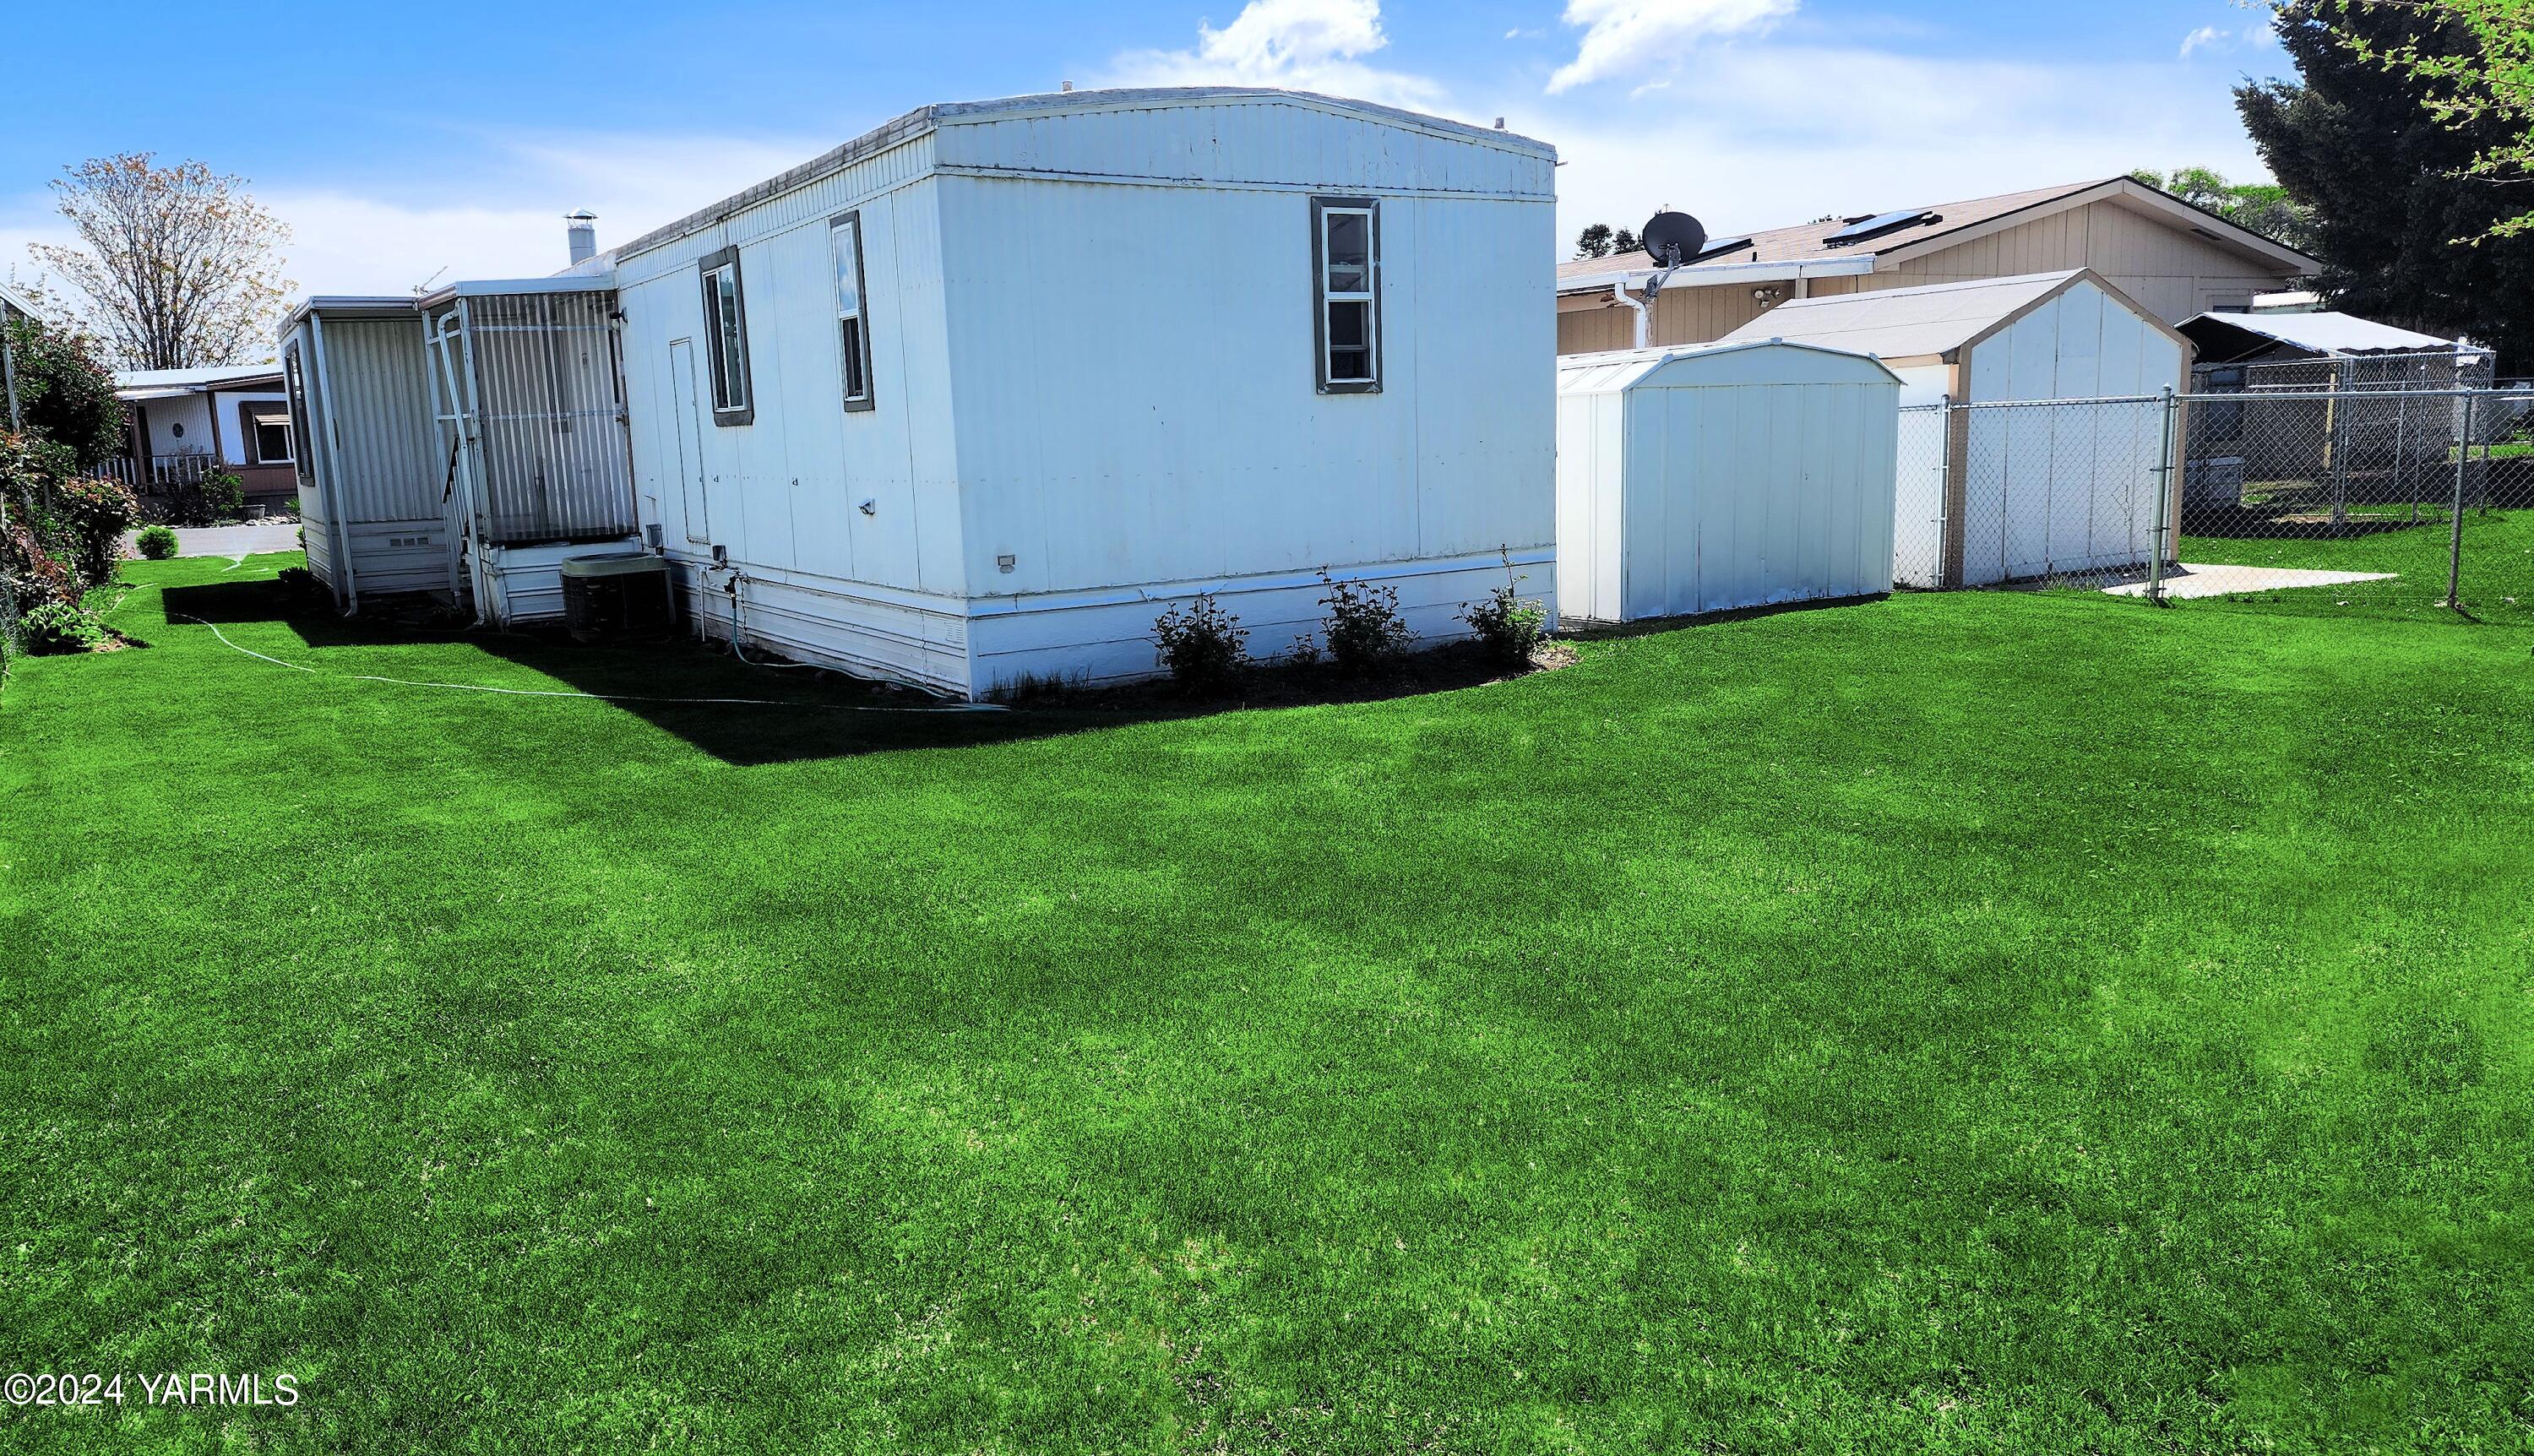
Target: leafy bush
(216,498)
(59,627)
(299,581)
(93,515)
(1202,645)
(1506,625)
(157,542)
(64,393)
(1363,629)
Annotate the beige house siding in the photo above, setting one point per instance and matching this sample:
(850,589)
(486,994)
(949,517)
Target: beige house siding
(2171,273)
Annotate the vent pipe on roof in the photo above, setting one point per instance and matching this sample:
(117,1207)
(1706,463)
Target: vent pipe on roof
(581,230)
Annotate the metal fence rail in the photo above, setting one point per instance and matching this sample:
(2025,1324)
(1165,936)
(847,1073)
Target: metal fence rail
(2177,496)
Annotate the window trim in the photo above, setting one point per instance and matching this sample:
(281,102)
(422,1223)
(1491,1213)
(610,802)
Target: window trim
(249,422)
(744,413)
(1321,208)
(868,399)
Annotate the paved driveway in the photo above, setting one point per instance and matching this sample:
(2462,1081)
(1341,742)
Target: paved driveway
(252,539)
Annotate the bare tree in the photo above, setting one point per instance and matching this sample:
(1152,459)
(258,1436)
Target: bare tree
(177,267)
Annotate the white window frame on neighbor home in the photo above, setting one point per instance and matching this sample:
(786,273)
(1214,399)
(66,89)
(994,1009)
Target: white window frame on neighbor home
(853,310)
(1339,289)
(726,338)
(254,416)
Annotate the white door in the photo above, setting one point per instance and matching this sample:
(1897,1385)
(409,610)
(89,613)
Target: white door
(690,451)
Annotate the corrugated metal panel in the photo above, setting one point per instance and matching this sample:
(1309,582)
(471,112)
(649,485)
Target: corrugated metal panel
(1726,479)
(380,443)
(548,417)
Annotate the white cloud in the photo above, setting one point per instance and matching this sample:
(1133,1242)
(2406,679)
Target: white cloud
(2203,38)
(1307,44)
(1629,38)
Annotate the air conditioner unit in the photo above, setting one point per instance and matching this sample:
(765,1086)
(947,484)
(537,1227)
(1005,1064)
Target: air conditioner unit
(616,593)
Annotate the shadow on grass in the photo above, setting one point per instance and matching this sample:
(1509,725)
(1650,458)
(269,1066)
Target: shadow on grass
(2237,524)
(795,714)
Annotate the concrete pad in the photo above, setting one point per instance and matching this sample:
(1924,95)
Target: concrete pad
(2188,581)
(255,538)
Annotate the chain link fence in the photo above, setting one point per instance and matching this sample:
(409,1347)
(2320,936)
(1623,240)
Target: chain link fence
(2251,493)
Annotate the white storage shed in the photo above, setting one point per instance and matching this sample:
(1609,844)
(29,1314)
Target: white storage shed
(1712,477)
(1997,495)
(975,395)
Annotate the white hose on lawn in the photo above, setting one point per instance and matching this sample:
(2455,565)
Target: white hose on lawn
(357,677)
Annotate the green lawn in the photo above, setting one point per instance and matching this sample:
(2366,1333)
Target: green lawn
(2497,580)
(1967,1022)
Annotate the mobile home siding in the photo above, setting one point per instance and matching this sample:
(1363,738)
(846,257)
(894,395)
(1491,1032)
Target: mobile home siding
(379,467)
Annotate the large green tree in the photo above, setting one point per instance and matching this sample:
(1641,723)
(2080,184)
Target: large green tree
(2391,180)
(2262,207)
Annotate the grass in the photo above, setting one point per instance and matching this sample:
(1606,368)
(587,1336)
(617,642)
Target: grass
(2497,580)
(1964,1023)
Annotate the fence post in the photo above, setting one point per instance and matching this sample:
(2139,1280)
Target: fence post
(2455,536)
(2163,501)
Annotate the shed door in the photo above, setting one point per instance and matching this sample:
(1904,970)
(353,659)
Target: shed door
(691,457)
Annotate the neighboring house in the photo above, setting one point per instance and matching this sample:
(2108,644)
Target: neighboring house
(974,397)
(2174,259)
(13,307)
(186,420)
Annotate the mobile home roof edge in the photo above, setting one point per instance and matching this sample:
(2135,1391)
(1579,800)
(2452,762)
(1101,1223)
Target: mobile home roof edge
(924,120)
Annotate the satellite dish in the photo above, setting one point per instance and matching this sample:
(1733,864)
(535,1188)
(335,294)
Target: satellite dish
(1672,238)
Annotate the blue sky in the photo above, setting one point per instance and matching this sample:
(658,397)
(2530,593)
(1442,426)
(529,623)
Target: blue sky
(399,140)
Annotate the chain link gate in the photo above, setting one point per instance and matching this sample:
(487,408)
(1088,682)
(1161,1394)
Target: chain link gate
(2173,497)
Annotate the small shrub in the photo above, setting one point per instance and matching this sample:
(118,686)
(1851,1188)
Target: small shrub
(1363,629)
(1307,651)
(1506,625)
(299,583)
(1202,645)
(156,543)
(59,627)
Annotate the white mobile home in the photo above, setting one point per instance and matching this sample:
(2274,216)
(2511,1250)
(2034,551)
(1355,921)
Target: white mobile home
(1997,495)
(370,476)
(1713,478)
(975,395)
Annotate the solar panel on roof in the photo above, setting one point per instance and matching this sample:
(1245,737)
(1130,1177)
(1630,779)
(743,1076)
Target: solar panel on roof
(1879,224)
(1719,248)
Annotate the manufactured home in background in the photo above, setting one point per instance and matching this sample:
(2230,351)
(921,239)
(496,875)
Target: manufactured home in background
(1997,493)
(974,396)
(185,423)
(2174,259)
(1723,476)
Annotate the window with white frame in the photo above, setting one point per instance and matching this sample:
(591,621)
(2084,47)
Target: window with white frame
(726,338)
(266,427)
(1346,264)
(853,327)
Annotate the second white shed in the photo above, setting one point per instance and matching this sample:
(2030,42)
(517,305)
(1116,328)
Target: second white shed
(1991,494)
(1709,478)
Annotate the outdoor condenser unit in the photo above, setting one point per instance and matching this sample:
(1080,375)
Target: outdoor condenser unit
(616,593)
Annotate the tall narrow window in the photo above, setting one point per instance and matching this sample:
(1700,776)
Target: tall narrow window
(853,330)
(726,335)
(1346,264)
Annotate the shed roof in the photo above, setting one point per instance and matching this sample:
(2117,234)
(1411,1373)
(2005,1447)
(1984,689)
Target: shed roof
(924,119)
(1620,369)
(1927,322)
(2232,335)
(1942,224)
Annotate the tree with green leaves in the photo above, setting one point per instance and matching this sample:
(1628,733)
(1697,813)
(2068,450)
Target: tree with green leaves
(2475,62)
(2260,206)
(2392,183)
